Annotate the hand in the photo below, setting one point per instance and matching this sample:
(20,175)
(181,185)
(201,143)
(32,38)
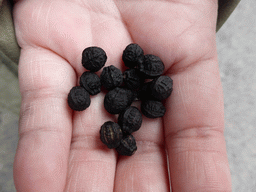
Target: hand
(60,150)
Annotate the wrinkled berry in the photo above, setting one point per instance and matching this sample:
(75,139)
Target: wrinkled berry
(127,146)
(91,82)
(117,100)
(93,58)
(152,66)
(78,99)
(111,77)
(161,87)
(133,55)
(144,92)
(130,120)
(132,79)
(152,109)
(111,134)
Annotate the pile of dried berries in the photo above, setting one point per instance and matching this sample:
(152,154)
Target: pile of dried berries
(143,80)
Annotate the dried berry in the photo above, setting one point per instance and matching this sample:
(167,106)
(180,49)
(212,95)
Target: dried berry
(152,109)
(111,134)
(78,99)
(117,100)
(133,55)
(145,92)
(161,87)
(111,77)
(133,79)
(91,82)
(152,66)
(127,146)
(130,120)
(93,58)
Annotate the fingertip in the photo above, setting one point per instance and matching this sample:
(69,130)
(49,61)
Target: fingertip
(38,166)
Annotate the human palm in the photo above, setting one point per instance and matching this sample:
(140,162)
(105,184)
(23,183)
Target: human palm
(60,150)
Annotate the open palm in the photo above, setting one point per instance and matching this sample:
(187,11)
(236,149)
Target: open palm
(60,150)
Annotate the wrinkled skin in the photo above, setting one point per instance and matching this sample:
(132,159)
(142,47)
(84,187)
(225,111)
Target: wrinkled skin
(60,150)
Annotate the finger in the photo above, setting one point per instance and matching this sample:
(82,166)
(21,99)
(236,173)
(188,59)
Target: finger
(182,42)
(45,121)
(194,125)
(68,35)
(179,32)
(91,163)
(85,23)
(146,170)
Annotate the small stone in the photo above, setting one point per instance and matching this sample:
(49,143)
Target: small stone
(91,82)
(127,146)
(78,99)
(133,55)
(111,77)
(130,120)
(93,58)
(111,134)
(152,109)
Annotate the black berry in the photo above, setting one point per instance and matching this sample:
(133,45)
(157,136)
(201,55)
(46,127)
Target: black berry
(127,146)
(111,134)
(130,120)
(161,87)
(151,67)
(78,99)
(133,55)
(117,100)
(111,77)
(132,79)
(144,92)
(91,82)
(152,109)
(93,58)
